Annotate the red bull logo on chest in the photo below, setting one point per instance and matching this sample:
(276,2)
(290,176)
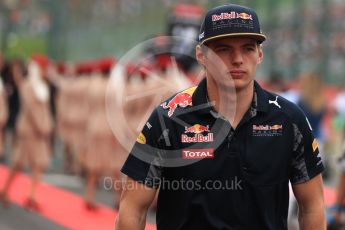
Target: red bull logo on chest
(268,130)
(197,130)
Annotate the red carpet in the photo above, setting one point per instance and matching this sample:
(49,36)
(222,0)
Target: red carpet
(60,206)
(67,209)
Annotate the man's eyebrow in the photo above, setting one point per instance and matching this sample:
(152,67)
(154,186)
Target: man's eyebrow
(221,45)
(249,44)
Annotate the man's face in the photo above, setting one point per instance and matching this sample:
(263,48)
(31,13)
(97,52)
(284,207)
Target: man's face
(231,61)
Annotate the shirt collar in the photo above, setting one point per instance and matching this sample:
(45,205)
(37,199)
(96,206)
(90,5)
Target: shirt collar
(199,98)
(261,98)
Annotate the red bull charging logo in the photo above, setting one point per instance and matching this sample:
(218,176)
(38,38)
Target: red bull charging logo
(197,128)
(182,100)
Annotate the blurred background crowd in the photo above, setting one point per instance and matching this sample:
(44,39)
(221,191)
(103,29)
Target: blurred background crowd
(56,63)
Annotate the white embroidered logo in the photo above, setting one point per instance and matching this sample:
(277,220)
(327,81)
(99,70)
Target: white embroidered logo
(275,102)
(148,125)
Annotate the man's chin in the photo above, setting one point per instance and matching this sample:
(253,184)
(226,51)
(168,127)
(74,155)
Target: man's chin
(240,84)
(227,82)
(226,85)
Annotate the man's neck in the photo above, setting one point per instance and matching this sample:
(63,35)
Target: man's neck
(230,102)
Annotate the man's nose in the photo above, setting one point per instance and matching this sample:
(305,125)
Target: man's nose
(236,57)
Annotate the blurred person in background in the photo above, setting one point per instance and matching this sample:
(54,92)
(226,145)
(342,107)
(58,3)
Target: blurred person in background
(72,112)
(336,211)
(61,80)
(339,106)
(336,219)
(11,68)
(163,79)
(75,114)
(104,155)
(278,85)
(3,109)
(312,102)
(3,116)
(33,129)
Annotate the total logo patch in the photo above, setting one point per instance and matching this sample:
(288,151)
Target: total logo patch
(197,130)
(267,130)
(197,153)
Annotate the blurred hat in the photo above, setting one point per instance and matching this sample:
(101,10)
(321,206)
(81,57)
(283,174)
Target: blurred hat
(105,64)
(230,21)
(61,67)
(85,67)
(41,60)
(163,61)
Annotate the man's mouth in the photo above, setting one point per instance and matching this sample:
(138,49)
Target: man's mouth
(237,73)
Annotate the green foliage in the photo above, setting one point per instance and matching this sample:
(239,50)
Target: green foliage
(23,46)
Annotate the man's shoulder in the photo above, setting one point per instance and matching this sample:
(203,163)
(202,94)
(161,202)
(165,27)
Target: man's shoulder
(178,101)
(286,107)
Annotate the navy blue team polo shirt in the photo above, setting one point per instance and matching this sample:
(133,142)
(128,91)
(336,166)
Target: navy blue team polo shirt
(211,176)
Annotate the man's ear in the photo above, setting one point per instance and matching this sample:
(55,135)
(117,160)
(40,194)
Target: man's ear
(261,54)
(200,56)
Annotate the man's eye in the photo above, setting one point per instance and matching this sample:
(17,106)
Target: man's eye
(249,48)
(222,50)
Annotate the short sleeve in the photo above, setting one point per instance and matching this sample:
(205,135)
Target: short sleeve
(141,164)
(306,161)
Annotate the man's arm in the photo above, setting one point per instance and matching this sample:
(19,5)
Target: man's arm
(310,201)
(136,198)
